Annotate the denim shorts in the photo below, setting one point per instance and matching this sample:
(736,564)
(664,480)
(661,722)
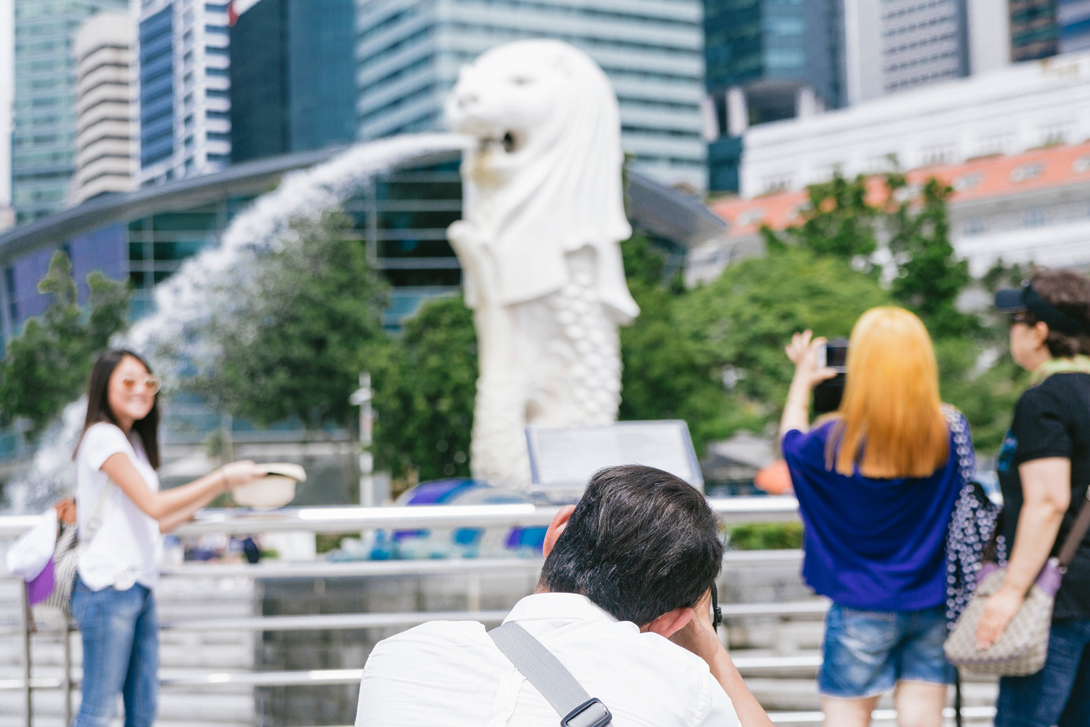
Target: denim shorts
(867,652)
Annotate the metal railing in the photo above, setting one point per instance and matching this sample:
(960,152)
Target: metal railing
(355,519)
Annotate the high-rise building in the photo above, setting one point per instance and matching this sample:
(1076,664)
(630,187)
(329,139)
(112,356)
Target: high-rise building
(106,141)
(1073,18)
(1034,31)
(293,77)
(43,137)
(1044,28)
(7,78)
(184,89)
(766,60)
(409,53)
(895,45)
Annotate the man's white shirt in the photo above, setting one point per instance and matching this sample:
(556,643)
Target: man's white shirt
(450,673)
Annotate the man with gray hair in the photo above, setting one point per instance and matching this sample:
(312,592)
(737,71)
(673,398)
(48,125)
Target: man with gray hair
(623,603)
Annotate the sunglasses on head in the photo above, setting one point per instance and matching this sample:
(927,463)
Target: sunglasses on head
(147,384)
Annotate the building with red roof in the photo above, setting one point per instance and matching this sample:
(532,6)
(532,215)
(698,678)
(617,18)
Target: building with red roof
(1029,207)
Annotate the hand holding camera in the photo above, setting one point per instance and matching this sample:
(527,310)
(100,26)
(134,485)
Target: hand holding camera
(811,358)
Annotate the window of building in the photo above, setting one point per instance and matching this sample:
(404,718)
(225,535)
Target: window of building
(751,216)
(1035,217)
(1027,172)
(975,226)
(965,182)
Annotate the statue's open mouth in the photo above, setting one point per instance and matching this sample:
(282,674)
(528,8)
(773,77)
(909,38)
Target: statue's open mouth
(509,142)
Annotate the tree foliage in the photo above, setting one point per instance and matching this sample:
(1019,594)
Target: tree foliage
(47,364)
(837,221)
(929,275)
(663,376)
(296,350)
(424,383)
(740,323)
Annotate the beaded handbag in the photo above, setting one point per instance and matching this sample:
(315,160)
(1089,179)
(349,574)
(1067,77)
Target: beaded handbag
(1023,646)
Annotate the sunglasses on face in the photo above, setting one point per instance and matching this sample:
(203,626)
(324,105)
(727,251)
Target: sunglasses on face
(1023,318)
(141,384)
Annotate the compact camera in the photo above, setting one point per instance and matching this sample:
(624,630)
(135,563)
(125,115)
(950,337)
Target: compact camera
(828,393)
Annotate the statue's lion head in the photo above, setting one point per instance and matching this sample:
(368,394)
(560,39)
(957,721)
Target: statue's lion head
(545,175)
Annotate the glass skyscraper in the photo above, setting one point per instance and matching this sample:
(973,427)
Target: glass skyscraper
(766,60)
(293,85)
(44,105)
(1043,28)
(409,53)
(185,100)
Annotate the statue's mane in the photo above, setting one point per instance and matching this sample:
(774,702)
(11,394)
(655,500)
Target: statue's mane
(567,194)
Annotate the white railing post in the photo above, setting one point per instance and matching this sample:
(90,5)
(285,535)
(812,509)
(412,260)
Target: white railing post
(67,678)
(26,623)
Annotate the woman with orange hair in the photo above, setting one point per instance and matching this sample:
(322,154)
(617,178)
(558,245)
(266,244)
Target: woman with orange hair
(877,481)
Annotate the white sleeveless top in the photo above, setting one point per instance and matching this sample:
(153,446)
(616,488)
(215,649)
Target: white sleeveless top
(127,547)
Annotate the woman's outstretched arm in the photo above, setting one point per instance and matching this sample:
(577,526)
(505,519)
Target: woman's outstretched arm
(167,504)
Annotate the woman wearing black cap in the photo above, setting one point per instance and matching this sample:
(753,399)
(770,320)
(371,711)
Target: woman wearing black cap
(1044,471)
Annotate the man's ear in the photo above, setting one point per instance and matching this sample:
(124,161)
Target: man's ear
(669,623)
(560,521)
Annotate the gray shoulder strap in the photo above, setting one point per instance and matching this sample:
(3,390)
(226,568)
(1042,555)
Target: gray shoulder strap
(95,521)
(548,675)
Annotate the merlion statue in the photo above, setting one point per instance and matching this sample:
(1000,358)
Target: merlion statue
(539,245)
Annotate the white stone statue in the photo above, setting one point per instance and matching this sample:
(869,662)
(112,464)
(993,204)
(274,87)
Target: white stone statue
(541,264)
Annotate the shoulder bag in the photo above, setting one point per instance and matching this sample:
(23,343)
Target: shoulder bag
(65,560)
(1023,647)
(559,687)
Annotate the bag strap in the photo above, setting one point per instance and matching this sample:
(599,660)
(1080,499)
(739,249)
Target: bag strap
(96,515)
(1077,533)
(550,677)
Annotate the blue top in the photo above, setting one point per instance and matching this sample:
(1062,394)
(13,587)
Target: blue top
(872,544)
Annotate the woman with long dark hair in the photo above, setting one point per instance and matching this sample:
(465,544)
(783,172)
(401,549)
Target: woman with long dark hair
(121,515)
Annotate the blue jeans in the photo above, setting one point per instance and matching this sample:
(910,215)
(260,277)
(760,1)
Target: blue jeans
(1059,694)
(120,631)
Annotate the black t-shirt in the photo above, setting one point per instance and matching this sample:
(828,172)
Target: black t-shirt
(1052,419)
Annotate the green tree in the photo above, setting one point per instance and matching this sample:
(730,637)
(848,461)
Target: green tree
(741,322)
(838,220)
(662,376)
(425,382)
(47,364)
(315,308)
(985,394)
(929,275)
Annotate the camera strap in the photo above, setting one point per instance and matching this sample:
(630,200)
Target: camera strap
(560,689)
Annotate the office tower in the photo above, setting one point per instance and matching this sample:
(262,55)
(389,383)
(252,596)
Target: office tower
(1043,28)
(895,45)
(105,141)
(44,105)
(184,82)
(765,61)
(989,35)
(293,85)
(7,77)
(409,52)
(1073,19)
